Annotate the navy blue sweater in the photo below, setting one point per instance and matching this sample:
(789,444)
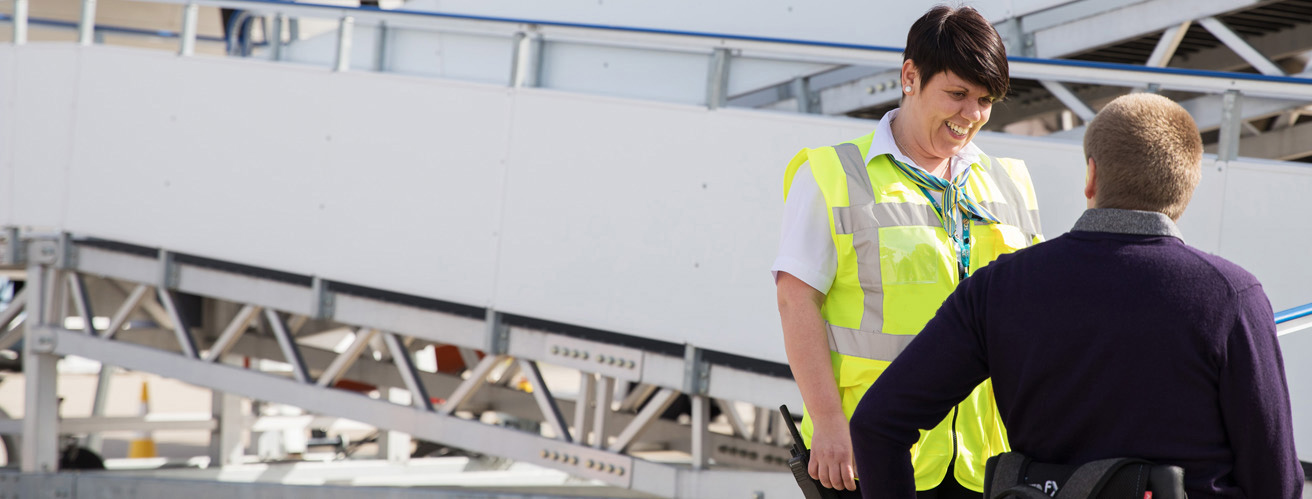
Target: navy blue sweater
(1100,344)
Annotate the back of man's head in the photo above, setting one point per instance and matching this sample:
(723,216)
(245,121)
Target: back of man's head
(1147,154)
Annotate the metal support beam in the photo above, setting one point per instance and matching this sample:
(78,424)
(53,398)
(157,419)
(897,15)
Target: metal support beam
(700,421)
(1283,145)
(151,307)
(185,341)
(125,310)
(761,424)
(477,378)
(600,417)
(347,358)
(16,306)
(1167,44)
(404,361)
(1069,99)
(226,442)
(717,79)
(234,330)
(526,60)
(735,421)
(86,26)
(288,346)
(381,47)
(20,22)
(801,90)
(546,402)
(276,45)
(78,289)
(345,29)
(1231,119)
(583,407)
(1241,47)
(41,406)
(94,440)
(649,413)
(187,42)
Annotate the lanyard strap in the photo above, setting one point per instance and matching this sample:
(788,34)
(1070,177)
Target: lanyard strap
(956,203)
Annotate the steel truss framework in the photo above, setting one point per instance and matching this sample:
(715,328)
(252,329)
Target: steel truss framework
(270,313)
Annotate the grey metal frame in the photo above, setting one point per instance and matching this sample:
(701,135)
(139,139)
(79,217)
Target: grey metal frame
(61,269)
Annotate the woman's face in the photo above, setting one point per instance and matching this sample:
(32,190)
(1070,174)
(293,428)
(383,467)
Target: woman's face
(945,113)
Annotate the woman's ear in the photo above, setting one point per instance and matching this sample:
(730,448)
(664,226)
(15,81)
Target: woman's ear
(910,77)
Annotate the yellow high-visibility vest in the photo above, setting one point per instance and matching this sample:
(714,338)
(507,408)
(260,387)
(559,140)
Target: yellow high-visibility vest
(896,265)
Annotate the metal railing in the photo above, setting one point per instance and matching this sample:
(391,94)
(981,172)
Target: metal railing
(1294,319)
(528,35)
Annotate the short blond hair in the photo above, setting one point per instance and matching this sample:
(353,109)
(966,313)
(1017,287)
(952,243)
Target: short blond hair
(1147,153)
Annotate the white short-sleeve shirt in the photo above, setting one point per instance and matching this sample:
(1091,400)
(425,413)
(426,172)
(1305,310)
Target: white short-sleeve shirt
(806,248)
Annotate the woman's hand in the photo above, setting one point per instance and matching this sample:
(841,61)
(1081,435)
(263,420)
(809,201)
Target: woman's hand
(831,453)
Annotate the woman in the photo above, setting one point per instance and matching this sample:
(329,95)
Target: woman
(879,230)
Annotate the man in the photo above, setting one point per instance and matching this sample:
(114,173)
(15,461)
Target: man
(1114,340)
(878,231)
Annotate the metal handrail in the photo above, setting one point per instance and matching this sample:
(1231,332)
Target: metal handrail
(1125,75)
(159,33)
(1299,312)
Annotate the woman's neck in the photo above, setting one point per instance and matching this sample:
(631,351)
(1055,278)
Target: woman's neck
(902,138)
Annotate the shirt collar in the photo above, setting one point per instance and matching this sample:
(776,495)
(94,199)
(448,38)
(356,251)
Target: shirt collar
(1143,223)
(883,143)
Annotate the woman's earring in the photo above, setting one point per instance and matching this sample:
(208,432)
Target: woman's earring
(907,89)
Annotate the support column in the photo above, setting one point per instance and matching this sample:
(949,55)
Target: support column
(227,446)
(41,407)
(394,445)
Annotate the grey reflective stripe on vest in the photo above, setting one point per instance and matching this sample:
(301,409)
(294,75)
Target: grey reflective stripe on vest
(1018,215)
(867,344)
(861,196)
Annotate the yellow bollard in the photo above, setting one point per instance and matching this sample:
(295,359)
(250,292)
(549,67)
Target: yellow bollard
(144,444)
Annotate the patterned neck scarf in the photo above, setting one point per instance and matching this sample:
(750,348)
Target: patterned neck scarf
(956,206)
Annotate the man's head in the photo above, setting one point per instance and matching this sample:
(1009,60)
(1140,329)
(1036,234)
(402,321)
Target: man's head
(1144,153)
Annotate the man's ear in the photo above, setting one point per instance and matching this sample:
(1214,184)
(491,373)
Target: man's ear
(1091,182)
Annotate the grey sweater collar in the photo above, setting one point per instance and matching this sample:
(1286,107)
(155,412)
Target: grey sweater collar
(1144,223)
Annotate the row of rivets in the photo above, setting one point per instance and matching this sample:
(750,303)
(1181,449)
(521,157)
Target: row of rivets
(592,464)
(616,361)
(743,453)
(608,468)
(601,359)
(771,459)
(569,352)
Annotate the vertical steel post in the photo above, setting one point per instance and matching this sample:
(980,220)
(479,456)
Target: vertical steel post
(394,446)
(700,435)
(20,22)
(226,446)
(187,47)
(86,27)
(1227,147)
(583,407)
(801,88)
(717,79)
(41,410)
(94,440)
(345,28)
(605,392)
(526,60)
(380,48)
(275,38)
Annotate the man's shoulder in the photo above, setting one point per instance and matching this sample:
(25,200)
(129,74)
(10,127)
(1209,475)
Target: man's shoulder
(1236,276)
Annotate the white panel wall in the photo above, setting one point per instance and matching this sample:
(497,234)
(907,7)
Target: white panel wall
(8,72)
(391,182)
(43,138)
(640,217)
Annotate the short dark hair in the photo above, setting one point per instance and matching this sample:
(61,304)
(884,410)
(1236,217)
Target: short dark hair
(959,40)
(1147,154)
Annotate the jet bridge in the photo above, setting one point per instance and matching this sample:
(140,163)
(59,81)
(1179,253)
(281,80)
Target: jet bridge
(622,238)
